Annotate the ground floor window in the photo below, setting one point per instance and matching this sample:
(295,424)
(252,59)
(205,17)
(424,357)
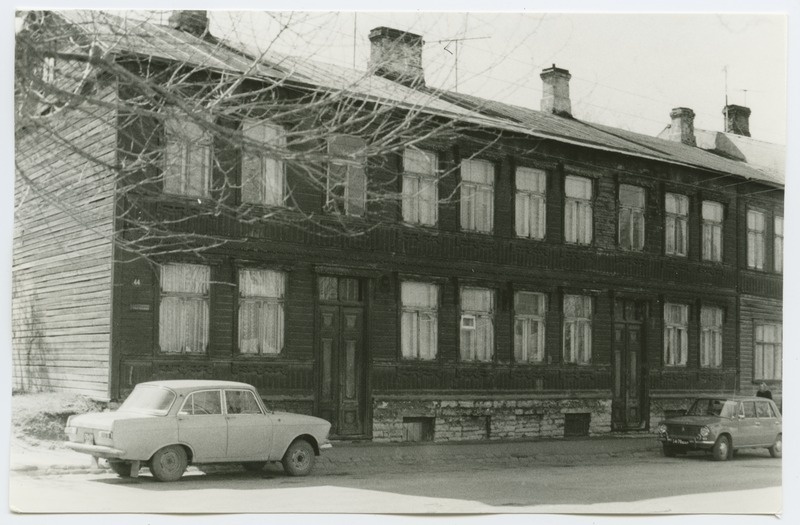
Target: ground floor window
(768,351)
(183,311)
(578,329)
(419,325)
(676,334)
(477,324)
(710,337)
(529,317)
(261,324)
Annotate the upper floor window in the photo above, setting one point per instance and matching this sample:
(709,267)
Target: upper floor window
(778,251)
(631,217)
(768,351)
(346,189)
(578,329)
(529,325)
(712,231)
(183,311)
(187,158)
(755,239)
(48,70)
(261,324)
(578,222)
(676,334)
(710,337)
(530,203)
(477,195)
(677,218)
(420,188)
(263,177)
(419,321)
(477,324)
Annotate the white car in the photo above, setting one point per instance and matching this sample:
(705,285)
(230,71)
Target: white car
(167,425)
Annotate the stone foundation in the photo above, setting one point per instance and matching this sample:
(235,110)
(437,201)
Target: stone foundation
(486,418)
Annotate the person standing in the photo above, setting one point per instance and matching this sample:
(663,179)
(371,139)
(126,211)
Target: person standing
(763,391)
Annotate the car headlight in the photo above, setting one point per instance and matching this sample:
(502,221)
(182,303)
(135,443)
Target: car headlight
(704,432)
(71,430)
(662,428)
(104,434)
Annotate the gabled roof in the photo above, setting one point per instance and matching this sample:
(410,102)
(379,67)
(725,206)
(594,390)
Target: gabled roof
(128,36)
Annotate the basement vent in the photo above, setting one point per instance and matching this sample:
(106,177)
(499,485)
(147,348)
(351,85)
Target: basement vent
(576,425)
(418,428)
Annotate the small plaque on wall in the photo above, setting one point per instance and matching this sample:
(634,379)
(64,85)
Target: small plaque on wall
(139,307)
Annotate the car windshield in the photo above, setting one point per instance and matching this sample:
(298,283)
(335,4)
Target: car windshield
(713,407)
(153,400)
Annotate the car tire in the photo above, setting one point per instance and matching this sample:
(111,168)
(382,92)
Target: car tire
(776,450)
(299,458)
(668,450)
(120,468)
(722,448)
(169,463)
(254,466)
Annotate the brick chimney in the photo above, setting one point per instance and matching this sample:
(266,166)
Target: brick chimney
(397,55)
(737,120)
(555,91)
(194,22)
(682,127)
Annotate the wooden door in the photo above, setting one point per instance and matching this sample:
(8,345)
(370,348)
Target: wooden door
(629,403)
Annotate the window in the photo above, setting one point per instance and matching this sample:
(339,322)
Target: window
(712,231)
(677,217)
(710,337)
(477,324)
(419,325)
(769,351)
(631,217)
(48,70)
(261,295)
(578,329)
(262,170)
(477,195)
(529,318)
(578,227)
(530,203)
(676,333)
(420,188)
(241,402)
(205,403)
(187,158)
(764,410)
(755,239)
(346,191)
(183,314)
(778,244)
(749,409)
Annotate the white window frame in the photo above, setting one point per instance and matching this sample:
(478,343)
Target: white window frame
(631,218)
(262,164)
(676,224)
(676,335)
(527,323)
(353,200)
(420,187)
(576,328)
(578,211)
(712,231)
(179,306)
(482,327)
(413,341)
(777,252)
(270,314)
(477,195)
(762,331)
(711,320)
(756,239)
(530,205)
(186,146)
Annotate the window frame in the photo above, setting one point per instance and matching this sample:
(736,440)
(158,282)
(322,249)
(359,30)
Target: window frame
(477,188)
(418,311)
(682,359)
(178,130)
(573,355)
(477,316)
(753,234)
(255,397)
(412,203)
(206,299)
(250,154)
(527,196)
(776,345)
(584,212)
(191,395)
(540,319)
(715,228)
(280,302)
(357,163)
(777,244)
(711,357)
(679,222)
(633,211)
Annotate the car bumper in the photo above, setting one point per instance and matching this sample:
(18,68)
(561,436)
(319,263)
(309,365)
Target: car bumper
(98,451)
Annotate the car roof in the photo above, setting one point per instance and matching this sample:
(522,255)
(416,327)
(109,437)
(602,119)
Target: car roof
(184,385)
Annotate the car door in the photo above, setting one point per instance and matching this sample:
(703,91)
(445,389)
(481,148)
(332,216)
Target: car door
(249,428)
(769,425)
(749,426)
(202,425)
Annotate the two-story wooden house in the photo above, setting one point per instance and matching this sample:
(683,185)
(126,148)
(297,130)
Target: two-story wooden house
(500,272)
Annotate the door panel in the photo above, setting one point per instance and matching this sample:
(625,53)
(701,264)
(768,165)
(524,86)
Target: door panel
(206,434)
(629,403)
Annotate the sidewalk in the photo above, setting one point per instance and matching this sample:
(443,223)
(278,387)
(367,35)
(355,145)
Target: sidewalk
(52,458)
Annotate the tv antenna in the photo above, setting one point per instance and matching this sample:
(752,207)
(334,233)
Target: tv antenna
(457,42)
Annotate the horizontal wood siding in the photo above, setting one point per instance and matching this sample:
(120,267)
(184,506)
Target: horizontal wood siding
(62,260)
(751,310)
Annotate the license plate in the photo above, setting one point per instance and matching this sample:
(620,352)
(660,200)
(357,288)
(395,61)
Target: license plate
(680,441)
(88,438)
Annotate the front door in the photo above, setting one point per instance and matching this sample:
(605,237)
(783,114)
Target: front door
(628,404)
(340,334)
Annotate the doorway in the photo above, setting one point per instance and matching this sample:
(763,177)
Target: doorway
(629,403)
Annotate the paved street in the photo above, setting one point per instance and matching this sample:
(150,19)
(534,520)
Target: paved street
(639,481)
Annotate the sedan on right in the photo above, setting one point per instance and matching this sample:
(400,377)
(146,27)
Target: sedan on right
(722,425)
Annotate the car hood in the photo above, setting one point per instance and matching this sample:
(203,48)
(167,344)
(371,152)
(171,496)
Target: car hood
(696,420)
(103,420)
(299,419)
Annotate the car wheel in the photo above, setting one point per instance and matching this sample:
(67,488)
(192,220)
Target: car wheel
(169,463)
(669,450)
(299,458)
(722,448)
(120,468)
(254,466)
(776,450)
